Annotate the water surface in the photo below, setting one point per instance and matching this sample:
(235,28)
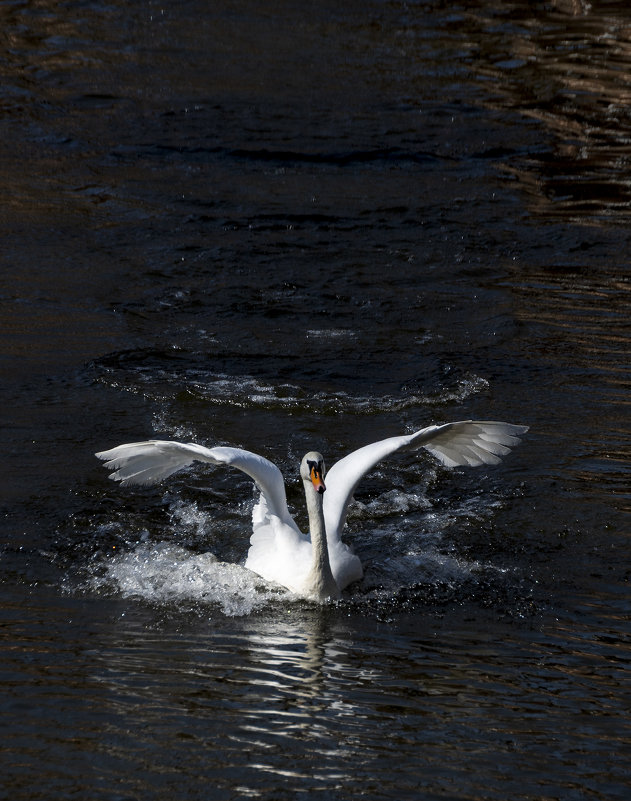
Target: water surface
(284,228)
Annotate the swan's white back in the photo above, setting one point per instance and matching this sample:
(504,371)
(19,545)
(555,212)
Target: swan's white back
(278,552)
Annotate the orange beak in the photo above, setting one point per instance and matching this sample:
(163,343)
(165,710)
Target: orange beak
(317,480)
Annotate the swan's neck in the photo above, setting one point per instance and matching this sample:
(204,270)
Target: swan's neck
(323,585)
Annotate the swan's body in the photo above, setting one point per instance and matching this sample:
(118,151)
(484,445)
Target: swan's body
(316,566)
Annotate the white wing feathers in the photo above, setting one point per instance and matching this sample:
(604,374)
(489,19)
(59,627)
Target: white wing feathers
(466,443)
(154,460)
(469,442)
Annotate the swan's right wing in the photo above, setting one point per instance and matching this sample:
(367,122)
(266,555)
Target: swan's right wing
(469,442)
(154,460)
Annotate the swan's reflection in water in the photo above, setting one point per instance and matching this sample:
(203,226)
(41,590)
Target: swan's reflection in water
(304,700)
(292,701)
(162,701)
(259,703)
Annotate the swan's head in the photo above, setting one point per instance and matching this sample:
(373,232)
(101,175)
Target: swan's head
(312,469)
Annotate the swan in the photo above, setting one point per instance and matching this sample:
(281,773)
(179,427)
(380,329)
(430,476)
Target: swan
(317,566)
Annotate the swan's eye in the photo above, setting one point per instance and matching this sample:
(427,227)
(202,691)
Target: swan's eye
(316,469)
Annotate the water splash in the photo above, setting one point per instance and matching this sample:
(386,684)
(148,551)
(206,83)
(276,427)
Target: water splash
(406,547)
(163,573)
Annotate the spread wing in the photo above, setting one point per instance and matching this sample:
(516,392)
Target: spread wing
(154,460)
(469,442)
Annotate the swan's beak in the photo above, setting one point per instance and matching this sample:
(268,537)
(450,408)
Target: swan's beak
(317,480)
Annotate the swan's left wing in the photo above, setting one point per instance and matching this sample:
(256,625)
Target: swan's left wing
(469,442)
(154,460)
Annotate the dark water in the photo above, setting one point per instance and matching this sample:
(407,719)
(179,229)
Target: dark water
(291,226)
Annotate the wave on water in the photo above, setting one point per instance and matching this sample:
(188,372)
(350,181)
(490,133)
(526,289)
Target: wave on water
(248,392)
(161,376)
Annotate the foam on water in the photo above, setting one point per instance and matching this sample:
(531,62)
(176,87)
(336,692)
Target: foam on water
(164,573)
(188,516)
(390,502)
(403,557)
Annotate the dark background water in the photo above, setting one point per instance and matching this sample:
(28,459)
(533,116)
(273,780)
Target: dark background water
(286,226)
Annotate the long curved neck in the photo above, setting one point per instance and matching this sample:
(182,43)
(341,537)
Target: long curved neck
(324,585)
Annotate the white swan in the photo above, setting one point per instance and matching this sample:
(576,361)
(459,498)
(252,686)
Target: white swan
(318,566)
